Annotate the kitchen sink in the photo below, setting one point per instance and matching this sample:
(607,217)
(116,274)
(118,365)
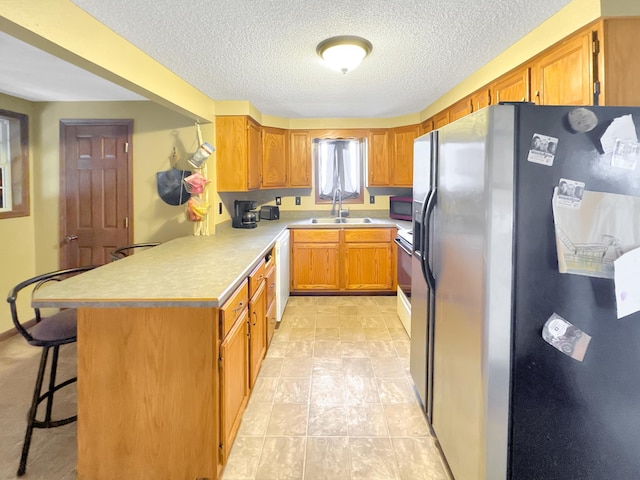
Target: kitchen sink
(333,220)
(355,220)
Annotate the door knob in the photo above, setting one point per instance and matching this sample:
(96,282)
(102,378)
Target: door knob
(70,238)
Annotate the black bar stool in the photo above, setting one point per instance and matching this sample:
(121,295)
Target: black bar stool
(125,251)
(47,332)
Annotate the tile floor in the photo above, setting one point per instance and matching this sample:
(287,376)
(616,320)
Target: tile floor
(334,400)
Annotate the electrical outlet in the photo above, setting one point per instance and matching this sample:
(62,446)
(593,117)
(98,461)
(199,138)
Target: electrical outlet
(372,199)
(278,201)
(297,200)
(220,208)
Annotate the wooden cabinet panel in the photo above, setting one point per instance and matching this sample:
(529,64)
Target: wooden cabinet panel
(271,322)
(563,74)
(238,153)
(369,235)
(234,382)
(256,278)
(426,126)
(233,307)
(368,266)
(441,119)
(299,158)
(618,65)
(275,167)
(315,266)
(401,174)
(480,99)
(378,158)
(513,87)
(270,285)
(316,235)
(460,109)
(257,333)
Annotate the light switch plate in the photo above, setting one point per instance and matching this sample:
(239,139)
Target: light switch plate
(278,201)
(372,199)
(297,200)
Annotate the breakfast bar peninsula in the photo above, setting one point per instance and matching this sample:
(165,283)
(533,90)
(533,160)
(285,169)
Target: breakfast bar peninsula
(148,354)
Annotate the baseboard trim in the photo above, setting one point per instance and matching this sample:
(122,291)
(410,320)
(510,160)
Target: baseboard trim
(10,333)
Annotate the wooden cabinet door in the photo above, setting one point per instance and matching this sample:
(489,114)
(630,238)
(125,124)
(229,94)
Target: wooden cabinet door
(460,109)
(513,87)
(426,126)
(402,158)
(234,382)
(441,119)
(271,322)
(563,75)
(481,99)
(378,158)
(254,154)
(274,157)
(231,153)
(368,266)
(315,266)
(299,158)
(257,333)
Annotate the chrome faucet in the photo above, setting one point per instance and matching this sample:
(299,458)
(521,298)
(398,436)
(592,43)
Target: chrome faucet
(337,192)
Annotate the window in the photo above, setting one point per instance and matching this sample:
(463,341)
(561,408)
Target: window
(339,169)
(14,164)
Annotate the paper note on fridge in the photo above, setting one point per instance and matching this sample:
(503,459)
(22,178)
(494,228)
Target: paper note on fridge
(627,273)
(591,237)
(623,129)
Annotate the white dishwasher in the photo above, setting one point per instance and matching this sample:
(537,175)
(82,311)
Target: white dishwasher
(282,272)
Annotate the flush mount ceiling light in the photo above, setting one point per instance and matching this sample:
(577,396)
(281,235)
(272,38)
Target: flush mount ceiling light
(344,53)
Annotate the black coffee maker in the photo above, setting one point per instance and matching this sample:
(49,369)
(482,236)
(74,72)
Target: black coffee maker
(243,216)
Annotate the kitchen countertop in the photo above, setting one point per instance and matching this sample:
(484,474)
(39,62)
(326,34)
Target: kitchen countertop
(187,271)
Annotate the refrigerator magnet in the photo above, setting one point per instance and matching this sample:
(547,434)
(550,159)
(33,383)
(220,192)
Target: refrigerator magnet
(570,193)
(543,149)
(564,336)
(625,154)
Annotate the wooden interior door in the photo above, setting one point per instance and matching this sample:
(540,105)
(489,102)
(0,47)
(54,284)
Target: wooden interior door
(95,190)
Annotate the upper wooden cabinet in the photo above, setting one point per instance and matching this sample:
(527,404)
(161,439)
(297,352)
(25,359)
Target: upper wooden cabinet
(481,99)
(512,87)
(378,158)
(299,158)
(401,172)
(618,66)
(563,75)
(426,126)
(441,119)
(460,109)
(275,167)
(238,153)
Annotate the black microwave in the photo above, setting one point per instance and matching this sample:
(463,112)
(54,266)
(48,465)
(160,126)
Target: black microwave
(400,208)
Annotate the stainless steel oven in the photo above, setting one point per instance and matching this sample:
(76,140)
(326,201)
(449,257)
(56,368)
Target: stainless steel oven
(405,248)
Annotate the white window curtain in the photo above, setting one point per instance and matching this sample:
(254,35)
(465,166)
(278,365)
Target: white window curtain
(339,167)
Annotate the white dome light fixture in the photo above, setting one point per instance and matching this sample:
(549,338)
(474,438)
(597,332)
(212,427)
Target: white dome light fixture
(344,53)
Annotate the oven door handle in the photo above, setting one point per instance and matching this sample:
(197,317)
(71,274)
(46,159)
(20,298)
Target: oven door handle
(402,245)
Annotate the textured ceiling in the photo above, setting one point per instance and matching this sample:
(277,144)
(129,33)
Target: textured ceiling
(264,51)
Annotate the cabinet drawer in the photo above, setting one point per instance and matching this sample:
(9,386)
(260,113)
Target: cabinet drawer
(256,277)
(271,284)
(368,235)
(316,236)
(233,308)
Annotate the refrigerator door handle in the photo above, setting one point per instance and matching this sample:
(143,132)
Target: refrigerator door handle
(426,218)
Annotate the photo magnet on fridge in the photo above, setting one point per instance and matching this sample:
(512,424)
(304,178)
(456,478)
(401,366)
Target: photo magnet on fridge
(565,337)
(543,149)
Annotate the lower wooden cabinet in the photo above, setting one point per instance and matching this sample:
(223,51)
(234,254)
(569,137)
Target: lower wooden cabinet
(369,259)
(315,259)
(234,382)
(257,332)
(335,260)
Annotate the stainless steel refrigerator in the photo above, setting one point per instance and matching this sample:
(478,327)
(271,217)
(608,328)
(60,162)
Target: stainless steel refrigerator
(501,400)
